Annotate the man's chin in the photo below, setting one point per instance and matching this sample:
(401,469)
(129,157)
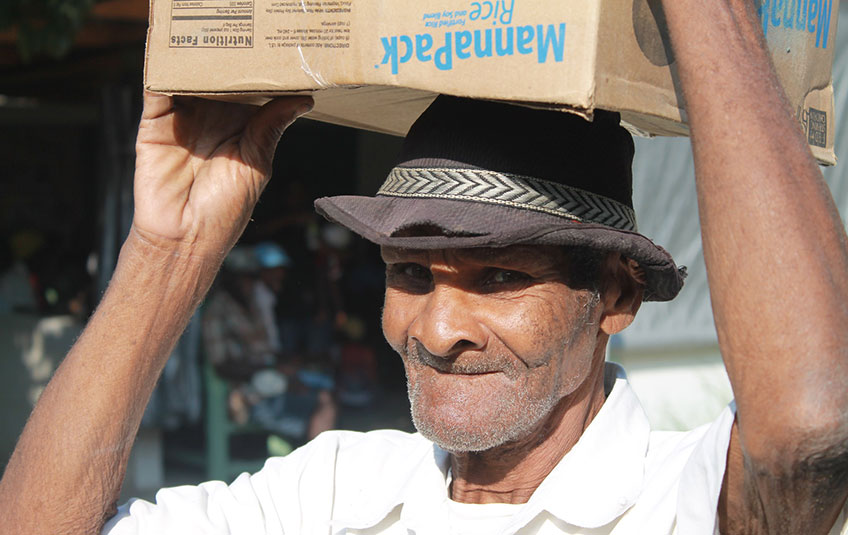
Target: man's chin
(474,414)
(462,430)
(459,440)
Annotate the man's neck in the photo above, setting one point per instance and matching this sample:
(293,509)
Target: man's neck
(512,472)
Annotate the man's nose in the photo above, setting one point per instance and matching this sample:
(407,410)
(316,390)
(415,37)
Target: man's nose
(448,325)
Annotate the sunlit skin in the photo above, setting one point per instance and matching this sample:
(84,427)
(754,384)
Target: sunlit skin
(504,359)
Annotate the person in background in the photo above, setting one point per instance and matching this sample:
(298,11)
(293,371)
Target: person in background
(235,338)
(266,387)
(274,263)
(357,374)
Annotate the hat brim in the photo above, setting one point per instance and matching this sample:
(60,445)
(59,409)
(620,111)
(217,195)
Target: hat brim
(466,224)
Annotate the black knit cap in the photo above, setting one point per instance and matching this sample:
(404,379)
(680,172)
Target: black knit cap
(484,174)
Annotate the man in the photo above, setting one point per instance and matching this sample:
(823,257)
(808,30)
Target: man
(502,346)
(273,265)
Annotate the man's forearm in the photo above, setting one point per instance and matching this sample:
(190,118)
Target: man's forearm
(65,478)
(773,240)
(774,244)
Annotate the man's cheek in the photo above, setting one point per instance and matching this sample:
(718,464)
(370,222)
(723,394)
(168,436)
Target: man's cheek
(535,336)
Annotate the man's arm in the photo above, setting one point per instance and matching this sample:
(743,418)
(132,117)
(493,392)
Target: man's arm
(777,263)
(200,168)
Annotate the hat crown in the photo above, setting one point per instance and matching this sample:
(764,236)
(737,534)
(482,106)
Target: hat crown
(558,147)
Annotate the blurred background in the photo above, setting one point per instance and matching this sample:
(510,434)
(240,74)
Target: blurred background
(70,98)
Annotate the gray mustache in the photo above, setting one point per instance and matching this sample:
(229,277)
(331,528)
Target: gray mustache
(459,365)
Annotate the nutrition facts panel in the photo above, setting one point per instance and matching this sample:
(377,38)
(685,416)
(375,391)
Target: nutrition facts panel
(212,23)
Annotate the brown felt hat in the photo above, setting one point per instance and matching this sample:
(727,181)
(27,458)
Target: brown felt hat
(484,174)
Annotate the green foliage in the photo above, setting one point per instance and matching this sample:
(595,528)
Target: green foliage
(44,27)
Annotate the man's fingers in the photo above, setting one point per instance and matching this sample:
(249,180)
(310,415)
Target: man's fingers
(265,128)
(156,105)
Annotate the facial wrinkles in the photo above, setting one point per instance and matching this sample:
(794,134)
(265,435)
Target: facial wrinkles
(457,418)
(536,352)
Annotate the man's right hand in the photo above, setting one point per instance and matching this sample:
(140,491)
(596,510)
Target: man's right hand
(201,166)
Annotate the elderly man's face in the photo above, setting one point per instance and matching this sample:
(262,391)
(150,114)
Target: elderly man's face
(492,339)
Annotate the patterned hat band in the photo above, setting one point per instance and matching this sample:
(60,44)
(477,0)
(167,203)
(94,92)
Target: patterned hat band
(484,186)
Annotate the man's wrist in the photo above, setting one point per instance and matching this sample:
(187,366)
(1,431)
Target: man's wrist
(174,265)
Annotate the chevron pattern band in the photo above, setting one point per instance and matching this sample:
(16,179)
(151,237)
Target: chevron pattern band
(511,190)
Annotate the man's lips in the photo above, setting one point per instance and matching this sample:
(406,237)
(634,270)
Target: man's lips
(460,365)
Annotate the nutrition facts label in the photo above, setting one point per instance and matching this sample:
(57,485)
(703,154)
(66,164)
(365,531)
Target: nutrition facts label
(212,23)
(309,24)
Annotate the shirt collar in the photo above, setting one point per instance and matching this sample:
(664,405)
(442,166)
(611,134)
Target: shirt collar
(413,474)
(602,475)
(595,483)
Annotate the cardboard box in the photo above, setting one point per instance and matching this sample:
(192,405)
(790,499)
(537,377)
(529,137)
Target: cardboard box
(376,64)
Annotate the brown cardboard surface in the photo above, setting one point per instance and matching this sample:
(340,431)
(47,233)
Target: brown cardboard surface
(376,64)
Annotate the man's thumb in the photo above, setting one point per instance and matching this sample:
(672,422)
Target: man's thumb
(267,126)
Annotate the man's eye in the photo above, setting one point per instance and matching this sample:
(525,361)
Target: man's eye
(410,271)
(416,271)
(505,276)
(409,277)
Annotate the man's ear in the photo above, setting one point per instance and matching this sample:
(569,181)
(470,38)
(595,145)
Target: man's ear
(621,295)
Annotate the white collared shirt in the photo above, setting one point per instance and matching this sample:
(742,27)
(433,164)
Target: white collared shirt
(620,478)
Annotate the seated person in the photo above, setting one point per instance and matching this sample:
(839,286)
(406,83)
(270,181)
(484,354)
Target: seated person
(238,346)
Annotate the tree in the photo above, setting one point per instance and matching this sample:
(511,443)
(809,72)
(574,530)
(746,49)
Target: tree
(44,27)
